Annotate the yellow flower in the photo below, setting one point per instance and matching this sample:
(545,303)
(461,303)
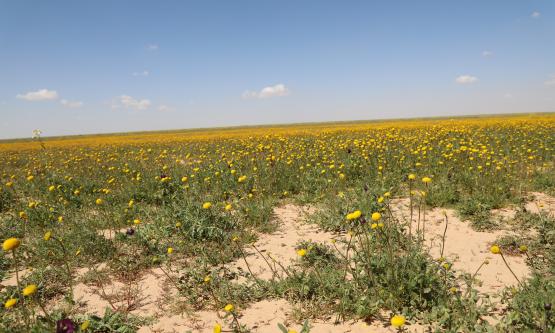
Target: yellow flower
(301,252)
(495,249)
(9,184)
(10,303)
(30,177)
(453,290)
(11,244)
(426,180)
(137,221)
(412,176)
(207,279)
(47,235)
(354,215)
(374,225)
(51,188)
(60,219)
(398,321)
(229,308)
(376,216)
(291,331)
(29,290)
(242,179)
(380,199)
(217,328)
(523,248)
(178,224)
(206,205)
(99,201)
(85,325)
(170,250)
(184,179)
(228,207)
(23,215)
(131,203)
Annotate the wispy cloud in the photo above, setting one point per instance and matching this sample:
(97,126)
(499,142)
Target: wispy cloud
(152,47)
(143,73)
(39,95)
(550,81)
(466,79)
(487,53)
(71,104)
(535,15)
(277,90)
(128,102)
(165,108)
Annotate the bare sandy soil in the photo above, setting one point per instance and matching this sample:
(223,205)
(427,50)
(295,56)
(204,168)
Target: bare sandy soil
(465,248)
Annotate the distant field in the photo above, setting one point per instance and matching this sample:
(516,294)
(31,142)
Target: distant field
(396,225)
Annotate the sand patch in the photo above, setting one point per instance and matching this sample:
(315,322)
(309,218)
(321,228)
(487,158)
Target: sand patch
(541,202)
(263,317)
(281,243)
(148,296)
(466,248)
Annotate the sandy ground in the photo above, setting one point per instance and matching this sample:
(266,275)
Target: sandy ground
(264,316)
(464,247)
(280,245)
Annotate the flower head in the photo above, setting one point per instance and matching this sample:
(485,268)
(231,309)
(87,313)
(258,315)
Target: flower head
(495,249)
(85,325)
(206,205)
(376,216)
(398,320)
(29,290)
(10,303)
(65,326)
(217,328)
(11,244)
(229,308)
(47,235)
(354,215)
(301,252)
(426,180)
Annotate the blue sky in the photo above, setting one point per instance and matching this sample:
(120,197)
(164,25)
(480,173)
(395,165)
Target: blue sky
(75,67)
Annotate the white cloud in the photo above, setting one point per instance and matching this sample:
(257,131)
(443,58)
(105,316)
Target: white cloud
(466,79)
(277,90)
(508,95)
(143,73)
(550,81)
(487,53)
(39,95)
(71,104)
(165,108)
(152,47)
(535,14)
(129,102)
